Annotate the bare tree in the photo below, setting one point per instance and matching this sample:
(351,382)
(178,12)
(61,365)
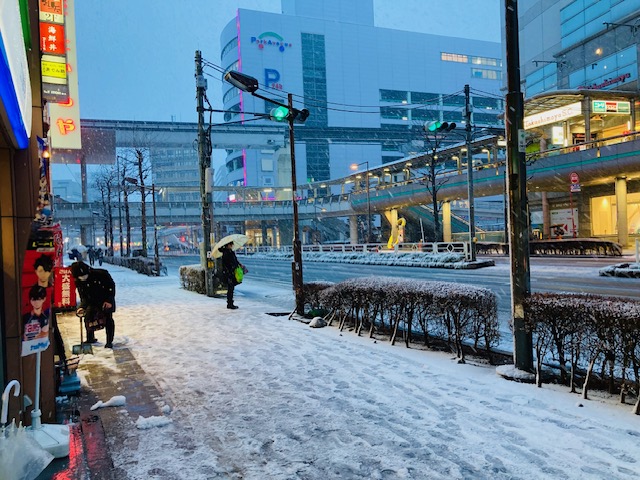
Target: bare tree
(431,174)
(106,183)
(138,162)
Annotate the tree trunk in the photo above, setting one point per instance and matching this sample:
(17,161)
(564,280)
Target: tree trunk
(585,386)
(143,203)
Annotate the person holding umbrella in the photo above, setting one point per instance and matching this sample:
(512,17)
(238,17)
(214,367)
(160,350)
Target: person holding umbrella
(229,265)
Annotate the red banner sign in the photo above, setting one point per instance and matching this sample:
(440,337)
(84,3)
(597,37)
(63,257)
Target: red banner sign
(52,39)
(64,295)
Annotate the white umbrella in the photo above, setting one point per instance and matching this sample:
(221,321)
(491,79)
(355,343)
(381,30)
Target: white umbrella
(237,239)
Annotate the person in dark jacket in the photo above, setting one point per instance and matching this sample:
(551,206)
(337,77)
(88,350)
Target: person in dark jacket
(229,264)
(97,294)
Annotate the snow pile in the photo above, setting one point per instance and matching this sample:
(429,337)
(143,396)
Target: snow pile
(317,322)
(115,401)
(152,422)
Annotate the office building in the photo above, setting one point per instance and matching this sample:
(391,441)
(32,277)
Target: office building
(354,78)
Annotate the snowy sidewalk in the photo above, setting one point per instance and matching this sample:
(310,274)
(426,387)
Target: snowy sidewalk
(215,393)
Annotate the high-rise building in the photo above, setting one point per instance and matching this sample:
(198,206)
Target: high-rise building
(579,69)
(579,44)
(350,74)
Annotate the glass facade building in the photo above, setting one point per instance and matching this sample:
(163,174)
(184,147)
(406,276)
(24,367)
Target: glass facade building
(350,74)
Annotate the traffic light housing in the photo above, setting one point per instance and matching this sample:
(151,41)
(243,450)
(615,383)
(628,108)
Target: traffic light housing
(282,114)
(439,126)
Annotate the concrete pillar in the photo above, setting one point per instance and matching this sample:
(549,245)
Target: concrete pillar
(621,211)
(353,229)
(546,217)
(446,221)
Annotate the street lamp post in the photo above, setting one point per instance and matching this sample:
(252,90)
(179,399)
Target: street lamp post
(355,167)
(249,84)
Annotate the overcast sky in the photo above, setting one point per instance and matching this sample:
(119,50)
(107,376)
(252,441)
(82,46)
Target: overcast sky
(136,58)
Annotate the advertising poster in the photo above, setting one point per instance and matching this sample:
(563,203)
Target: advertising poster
(43,253)
(37,290)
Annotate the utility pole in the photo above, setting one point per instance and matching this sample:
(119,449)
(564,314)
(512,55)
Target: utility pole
(517,190)
(472,208)
(205,163)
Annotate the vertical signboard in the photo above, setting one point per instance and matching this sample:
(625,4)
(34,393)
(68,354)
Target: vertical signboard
(53,48)
(64,116)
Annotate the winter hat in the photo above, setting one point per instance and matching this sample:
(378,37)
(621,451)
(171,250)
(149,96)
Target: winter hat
(78,269)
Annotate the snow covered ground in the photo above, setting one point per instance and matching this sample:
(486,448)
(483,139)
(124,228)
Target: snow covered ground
(248,395)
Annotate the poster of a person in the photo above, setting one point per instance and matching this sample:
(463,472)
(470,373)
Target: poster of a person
(35,323)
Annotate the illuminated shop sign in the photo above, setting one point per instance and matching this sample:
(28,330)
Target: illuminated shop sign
(51,11)
(552,116)
(604,106)
(52,38)
(54,69)
(270,39)
(64,115)
(607,83)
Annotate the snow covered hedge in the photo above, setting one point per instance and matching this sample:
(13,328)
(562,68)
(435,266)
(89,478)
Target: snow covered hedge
(404,259)
(582,331)
(192,278)
(453,312)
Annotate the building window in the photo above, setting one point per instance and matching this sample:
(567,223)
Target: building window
(425,114)
(267,165)
(231,94)
(233,66)
(314,78)
(487,103)
(454,57)
(394,113)
(228,47)
(394,96)
(486,74)
(491,62)
(488,118)
(423,97)
(453,100)
(229,115)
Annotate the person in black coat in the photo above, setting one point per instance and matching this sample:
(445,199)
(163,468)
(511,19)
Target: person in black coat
(229,264)
(97,294)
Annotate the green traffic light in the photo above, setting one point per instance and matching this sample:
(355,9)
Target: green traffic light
(279,114)
(435,126)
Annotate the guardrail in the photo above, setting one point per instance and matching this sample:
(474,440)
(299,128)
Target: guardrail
(427,247)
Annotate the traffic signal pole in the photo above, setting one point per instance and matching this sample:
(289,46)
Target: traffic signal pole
(296,266)
(470,197)
(517,194)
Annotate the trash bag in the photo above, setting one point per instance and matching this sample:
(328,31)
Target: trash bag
(21,457)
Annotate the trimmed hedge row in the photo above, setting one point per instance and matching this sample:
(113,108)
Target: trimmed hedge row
(192,278)
(452,312)
(144,265)
(582,331)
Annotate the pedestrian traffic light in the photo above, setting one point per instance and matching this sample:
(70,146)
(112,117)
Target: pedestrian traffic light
(279,114)
(439,126)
